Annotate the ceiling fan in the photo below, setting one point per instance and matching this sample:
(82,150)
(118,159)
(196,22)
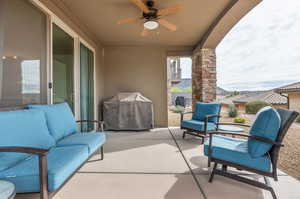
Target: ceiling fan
(152,16)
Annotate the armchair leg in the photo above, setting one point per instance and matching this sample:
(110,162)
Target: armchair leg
(224,168)
(102,153)
(183,135)
(213,173)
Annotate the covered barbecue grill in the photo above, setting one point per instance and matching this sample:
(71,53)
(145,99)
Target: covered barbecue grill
(128,111)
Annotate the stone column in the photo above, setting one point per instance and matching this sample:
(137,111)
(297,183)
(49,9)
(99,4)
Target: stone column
(204,75)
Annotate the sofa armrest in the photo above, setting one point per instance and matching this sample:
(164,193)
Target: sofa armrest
(100,123)
(28,150)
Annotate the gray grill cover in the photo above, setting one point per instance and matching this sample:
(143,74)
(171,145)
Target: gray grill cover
(128,111)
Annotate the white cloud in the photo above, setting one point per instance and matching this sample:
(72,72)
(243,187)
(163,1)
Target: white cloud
(263,50)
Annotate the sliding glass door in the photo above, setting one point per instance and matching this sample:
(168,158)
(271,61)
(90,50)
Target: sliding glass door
(86,87)
(63,67)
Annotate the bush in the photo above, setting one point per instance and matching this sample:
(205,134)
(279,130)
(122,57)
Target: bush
(232,112)
(298,120)
(178,109)
(239,120)
(254,107)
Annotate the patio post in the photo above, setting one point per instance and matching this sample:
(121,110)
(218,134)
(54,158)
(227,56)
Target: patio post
(204,78)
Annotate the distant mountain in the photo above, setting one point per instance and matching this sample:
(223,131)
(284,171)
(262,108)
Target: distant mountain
(187,82)
(221,91)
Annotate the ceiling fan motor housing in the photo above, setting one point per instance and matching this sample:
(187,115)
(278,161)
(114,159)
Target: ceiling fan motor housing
(150,4)
(153,11)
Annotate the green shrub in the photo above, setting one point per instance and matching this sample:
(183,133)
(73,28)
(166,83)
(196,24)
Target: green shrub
(188,89)
(239,120)
(232,112)
(254,107)
(176,90)
(298,120)
(178,109)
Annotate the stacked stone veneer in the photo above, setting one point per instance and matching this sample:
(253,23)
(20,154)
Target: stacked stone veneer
(204,75)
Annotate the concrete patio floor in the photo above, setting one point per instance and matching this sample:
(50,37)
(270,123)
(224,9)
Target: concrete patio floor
(160,165)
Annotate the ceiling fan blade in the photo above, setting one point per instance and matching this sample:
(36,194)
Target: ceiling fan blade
(169,10)
(141,5)
(167,24)
(145,32)
(127,20)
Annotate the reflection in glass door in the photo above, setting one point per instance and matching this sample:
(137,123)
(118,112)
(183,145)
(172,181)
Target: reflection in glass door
(86,87)
(63,67)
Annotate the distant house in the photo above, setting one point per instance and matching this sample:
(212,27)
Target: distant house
(240,101)
(271,97)
(292,91)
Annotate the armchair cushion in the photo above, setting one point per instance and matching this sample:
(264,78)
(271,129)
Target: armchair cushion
(62,163)
(204,109)
(266,124)
(60,119)
(198,125)
(236,151)
(91,140)
(23,128)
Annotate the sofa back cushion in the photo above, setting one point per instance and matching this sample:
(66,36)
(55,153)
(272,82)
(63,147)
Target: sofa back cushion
(267,125)
(60,119)
(22,128)
(204,109)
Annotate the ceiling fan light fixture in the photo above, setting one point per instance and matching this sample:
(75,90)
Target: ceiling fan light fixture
(151,25)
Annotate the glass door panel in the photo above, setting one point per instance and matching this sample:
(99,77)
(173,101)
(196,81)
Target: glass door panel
(63,67)
(86,87)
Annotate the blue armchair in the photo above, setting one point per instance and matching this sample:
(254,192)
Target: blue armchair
(258,153)
(205,118)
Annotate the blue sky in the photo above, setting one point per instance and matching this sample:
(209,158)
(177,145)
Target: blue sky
(263,50)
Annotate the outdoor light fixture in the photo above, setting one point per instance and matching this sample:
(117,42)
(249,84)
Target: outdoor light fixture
(3,57)
(151,25)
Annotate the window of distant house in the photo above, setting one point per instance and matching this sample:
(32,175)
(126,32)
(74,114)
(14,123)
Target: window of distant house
(23,77)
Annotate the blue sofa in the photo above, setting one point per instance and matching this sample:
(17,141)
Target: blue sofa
(40,147)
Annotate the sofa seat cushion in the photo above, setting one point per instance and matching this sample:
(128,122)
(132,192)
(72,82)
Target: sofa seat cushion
(236,150)
(62,163)
(22,128)
(204,109)
(197,125)
(60,119)
(92,140)
(267,125)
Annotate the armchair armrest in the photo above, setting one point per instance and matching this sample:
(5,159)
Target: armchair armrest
(234,124)
(210,116)
(261,139)
(28,150)
(100,123)
(184,113)
(215,115)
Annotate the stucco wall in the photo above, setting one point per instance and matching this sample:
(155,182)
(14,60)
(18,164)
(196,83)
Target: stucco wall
(294,101)
(139,69)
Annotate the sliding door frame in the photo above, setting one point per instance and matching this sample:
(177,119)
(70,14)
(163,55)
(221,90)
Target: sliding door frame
(53,19)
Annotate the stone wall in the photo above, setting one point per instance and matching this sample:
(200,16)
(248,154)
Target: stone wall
(204,75)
